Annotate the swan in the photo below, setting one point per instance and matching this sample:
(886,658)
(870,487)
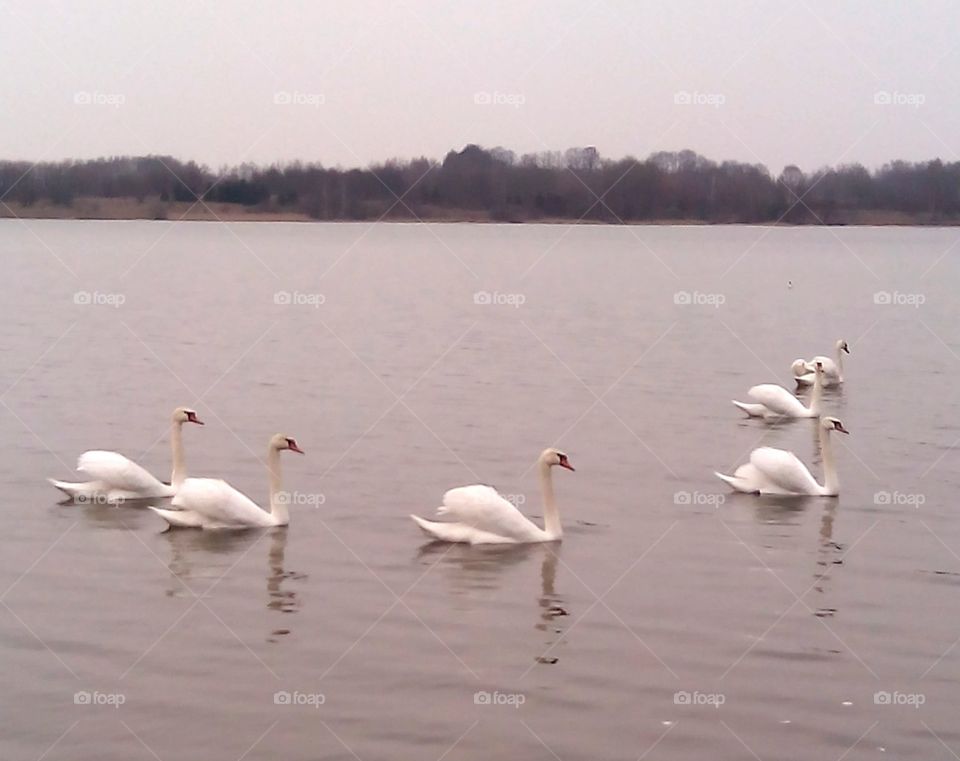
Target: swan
(213,503)
(116,478)
(777,471)
(481,516)
(772,401)
(832,370)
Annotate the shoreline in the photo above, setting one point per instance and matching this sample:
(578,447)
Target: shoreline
(130,209)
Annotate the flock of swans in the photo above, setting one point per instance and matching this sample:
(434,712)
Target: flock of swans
(475,514)
(777,471)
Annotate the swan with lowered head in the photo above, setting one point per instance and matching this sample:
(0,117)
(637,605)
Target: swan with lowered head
(832,370)
(213,503)
(772,401)
(116,478)
(777,471)
(479,515)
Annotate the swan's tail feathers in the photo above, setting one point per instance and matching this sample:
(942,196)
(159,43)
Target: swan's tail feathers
(736,483)
(753,410)
(179,518)
(77,491)
(433,529)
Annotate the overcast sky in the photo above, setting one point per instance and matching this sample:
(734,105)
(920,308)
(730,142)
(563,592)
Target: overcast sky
(347,83)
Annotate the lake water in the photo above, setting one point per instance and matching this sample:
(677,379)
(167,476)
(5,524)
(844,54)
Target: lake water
(675,620)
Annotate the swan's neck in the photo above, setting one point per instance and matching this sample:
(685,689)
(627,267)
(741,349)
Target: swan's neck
(278,505)
(839,363)
(176,445)
(817,393)
(831,484)
(551,517)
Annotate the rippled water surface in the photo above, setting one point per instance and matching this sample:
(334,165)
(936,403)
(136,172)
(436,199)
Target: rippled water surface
(781,620)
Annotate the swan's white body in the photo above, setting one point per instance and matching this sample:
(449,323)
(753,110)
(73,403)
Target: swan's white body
(479,515)
(779,472)
(212,503)
(772,401)
(116,478)
(832,369)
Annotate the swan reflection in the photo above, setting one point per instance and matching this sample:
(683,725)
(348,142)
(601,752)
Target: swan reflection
(200,559)
(469,569)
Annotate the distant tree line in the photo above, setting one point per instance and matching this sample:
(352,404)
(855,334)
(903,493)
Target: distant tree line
(497,184)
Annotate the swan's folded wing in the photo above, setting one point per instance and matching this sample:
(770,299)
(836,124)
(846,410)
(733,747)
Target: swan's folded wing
(117,471)
(218,503)
(483,508)
(775,398)
(784,470)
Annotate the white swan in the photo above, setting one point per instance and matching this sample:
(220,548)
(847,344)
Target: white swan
(213,503)
(777,471)
(772,401)
(116,478)
(481,516)
(832,370)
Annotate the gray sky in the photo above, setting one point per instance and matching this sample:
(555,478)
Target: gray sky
(767,80)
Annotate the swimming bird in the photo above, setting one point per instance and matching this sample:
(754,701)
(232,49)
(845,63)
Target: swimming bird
(480,515)
(115,478)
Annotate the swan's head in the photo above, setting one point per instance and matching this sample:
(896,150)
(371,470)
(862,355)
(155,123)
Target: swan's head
(281,442)
(842,346)
(186,415)
(553,457)
(799,367)
(833,424)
